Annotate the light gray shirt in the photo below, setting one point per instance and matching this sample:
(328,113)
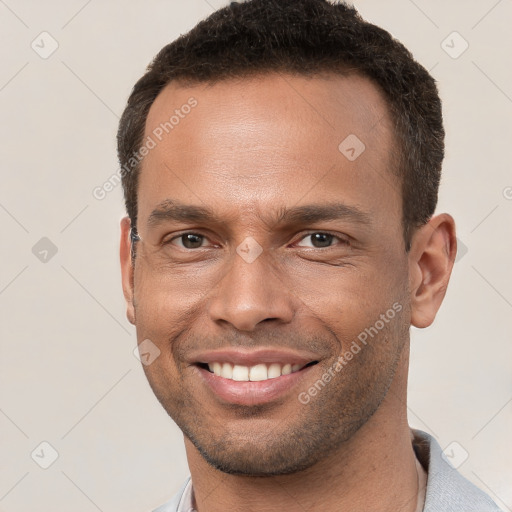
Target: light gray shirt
(446,489)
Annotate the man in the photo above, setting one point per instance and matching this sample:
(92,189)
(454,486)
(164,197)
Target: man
(281,164)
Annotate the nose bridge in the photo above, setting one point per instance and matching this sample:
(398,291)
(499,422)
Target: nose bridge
(250,292)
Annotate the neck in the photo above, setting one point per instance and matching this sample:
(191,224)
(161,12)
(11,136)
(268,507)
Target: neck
(374,471)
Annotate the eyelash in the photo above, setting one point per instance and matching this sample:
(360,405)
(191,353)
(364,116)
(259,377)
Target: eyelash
(343,241)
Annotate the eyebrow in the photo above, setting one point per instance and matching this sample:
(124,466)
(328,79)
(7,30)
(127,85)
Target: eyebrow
(318,212)
(172,210)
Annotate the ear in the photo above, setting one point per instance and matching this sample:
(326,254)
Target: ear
(431,259)
(127,268)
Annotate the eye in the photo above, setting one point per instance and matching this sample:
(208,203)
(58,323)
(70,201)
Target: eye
(188,240)
(320,240)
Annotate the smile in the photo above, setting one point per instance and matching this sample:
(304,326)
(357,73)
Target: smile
(255,373)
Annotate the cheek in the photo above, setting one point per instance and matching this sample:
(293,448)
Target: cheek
(167,296)
(346,298)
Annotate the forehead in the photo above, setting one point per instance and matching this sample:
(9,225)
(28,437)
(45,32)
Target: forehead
(269,139)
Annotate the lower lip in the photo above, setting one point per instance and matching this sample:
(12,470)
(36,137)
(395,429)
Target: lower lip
(252,393)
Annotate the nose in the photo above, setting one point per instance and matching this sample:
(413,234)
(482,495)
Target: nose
(249,294)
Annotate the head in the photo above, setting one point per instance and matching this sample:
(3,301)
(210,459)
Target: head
(281,164)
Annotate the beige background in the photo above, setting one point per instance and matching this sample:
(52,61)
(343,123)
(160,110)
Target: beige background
(68,375)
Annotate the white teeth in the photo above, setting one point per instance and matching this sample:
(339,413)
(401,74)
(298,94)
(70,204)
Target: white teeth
(240,373)
(274,370)
(254,373)
(258,372)
(227,371)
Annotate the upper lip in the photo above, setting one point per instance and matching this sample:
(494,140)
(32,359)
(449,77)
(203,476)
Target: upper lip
(252,357)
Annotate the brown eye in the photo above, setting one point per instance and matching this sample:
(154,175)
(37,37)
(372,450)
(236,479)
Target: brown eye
(321,239)
(190,240)
(318,240)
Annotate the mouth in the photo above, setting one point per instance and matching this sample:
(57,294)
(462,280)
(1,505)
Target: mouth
(255,373)
(253,377)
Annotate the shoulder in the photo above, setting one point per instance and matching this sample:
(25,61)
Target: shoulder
(447,490)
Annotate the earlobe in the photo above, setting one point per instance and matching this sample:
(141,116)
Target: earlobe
(127,268)
(431,260)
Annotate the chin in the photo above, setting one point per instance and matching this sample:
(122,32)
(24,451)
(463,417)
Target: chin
(256,468)
(282,455)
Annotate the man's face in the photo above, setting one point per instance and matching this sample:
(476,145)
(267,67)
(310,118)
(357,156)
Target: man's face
(263,156)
